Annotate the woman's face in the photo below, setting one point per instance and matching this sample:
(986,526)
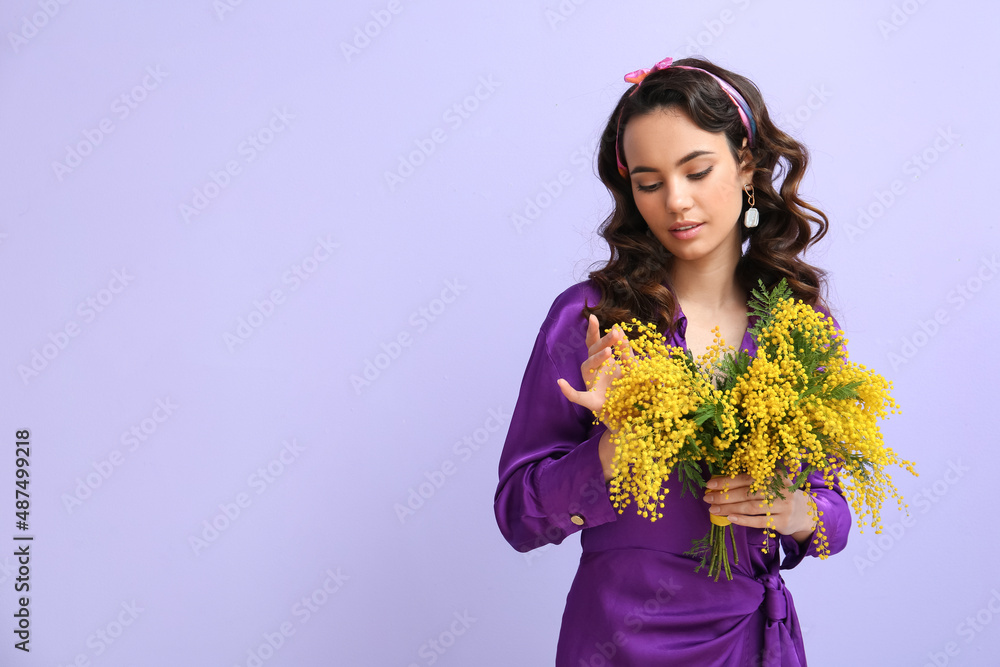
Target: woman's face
(684,177)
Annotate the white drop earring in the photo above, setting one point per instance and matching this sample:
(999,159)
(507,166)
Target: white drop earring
(751,218)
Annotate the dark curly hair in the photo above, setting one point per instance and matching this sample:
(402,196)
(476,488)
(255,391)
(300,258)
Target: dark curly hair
(633,281)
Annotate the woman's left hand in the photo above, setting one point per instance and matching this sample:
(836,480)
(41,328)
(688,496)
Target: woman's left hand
(789,516)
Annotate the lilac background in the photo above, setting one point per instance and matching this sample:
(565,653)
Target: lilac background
(435,285)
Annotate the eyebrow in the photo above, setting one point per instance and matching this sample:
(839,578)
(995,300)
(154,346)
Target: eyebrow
(687,158)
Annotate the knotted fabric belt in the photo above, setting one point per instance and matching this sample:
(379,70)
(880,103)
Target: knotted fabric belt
(776,601)
(779,649)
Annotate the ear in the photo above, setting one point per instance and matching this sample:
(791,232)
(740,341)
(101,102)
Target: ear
(746,163)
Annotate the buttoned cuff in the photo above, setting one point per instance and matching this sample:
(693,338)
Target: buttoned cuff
(573,492)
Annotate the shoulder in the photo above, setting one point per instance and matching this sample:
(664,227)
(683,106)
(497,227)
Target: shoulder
(567,308)
(563,333)
(826,311)
(823,309)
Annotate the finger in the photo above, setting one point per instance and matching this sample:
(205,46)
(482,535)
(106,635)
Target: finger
(722,496)
(751,521)
(593,369)
(607,340)
(732,500)
(593,330)
(625,349)
(731,483)
(745,507)
(604,377)
(584,399)
(751,503)
(568,391)
(597,359)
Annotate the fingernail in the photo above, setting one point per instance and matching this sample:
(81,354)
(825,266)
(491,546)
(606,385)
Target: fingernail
(714,510)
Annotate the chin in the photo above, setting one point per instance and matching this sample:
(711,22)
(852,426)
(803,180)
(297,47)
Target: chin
(698,249)
(685,252)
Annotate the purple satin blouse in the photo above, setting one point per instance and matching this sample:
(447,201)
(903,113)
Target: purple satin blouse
(636,599)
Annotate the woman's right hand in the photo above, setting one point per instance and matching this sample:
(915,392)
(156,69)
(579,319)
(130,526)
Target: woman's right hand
(600,368)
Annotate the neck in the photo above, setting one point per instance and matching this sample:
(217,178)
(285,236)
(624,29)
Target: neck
(708,283)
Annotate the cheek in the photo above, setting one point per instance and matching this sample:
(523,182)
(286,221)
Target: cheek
(727,198)
(725,191)
(647,207)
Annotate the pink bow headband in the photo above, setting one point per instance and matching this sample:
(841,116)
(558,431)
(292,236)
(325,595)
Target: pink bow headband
(637,77)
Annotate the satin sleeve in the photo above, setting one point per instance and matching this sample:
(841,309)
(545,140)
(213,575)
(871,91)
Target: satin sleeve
(551,478)
(835,512)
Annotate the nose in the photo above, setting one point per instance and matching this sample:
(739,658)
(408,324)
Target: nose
(677,196)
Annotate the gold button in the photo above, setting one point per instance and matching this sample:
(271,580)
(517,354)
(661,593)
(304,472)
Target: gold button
(577,519)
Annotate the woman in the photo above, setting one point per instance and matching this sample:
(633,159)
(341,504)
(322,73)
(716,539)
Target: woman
(690,156)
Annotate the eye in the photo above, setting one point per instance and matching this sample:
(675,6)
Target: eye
(655,186)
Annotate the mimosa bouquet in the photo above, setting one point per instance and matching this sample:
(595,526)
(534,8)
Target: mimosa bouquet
(797,407)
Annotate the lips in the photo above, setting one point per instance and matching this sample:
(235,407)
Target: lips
(685,230)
